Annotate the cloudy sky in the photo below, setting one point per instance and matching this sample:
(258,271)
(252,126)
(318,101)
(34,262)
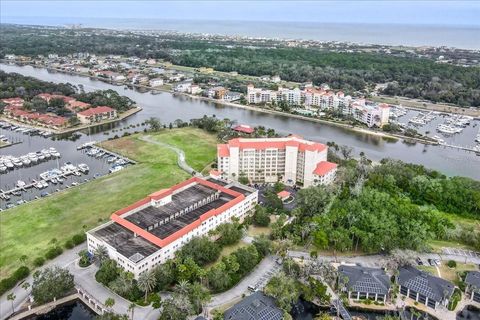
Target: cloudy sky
(404,12)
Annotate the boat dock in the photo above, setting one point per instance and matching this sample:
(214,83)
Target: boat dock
(35,182)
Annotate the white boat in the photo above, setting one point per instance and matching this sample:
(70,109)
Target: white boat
(54,180)
(44,183)
(39,185)
(83,167)
(9,165)
(115,169)
(21,184)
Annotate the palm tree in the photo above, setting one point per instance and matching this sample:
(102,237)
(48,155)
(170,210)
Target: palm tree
(25,285)
(147,282)
(182,287)
(131,309)
(11,297)
(101,254)
(109,303)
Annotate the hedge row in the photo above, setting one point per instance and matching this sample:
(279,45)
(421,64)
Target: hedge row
(10,282)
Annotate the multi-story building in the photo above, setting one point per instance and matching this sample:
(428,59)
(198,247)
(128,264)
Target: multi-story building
(150,231)
(291,160)
(96,114)
(370,113)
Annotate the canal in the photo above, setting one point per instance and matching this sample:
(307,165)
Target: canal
(169,107)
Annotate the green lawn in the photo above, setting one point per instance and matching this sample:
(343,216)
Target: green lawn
(29,228)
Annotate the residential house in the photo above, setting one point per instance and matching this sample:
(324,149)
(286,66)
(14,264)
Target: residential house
(217,93)
(96,114)
(156,82)
(257,306)
(364,283)
(183,86)
(424,288)
(472,281)
(232,96)
(194,89)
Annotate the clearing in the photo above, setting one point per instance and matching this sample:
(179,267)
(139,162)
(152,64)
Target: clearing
(29,228)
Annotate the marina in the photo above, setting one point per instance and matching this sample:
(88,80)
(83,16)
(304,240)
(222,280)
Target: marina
(168,108)
(26,183)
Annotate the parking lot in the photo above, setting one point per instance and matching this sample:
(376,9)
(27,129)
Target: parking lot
(262,282)
(461,252)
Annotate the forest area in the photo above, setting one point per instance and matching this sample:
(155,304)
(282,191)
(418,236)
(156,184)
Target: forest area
(411,77)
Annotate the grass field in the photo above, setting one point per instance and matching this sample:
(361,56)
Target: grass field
(29,228)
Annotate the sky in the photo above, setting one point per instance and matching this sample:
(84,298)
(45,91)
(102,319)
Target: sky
(395,12)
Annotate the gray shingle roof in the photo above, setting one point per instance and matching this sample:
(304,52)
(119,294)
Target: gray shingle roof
(473,279)
(420,281)
(254,307)
(361,279)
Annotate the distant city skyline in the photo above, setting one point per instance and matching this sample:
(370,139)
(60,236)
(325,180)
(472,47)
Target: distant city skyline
(372,12)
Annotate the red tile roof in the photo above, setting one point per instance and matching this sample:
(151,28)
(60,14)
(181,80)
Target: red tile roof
(283,194)
(117,216)
(276,143)
(324,167)
(244,128)
(222,150)
(96,110)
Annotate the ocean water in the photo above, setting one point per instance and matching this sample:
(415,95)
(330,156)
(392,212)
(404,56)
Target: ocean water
(465,37)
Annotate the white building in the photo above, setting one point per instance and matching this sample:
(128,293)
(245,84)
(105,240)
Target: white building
(259,95)
(371,114)
(150,231)
(157,82)
(194,89)
(183,86)
(291,160)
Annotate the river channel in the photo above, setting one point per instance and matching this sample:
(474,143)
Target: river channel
(169,107)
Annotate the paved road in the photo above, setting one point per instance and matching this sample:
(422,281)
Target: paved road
(254,277)
(379,260)
(86,279)
(181,155)
(64,260)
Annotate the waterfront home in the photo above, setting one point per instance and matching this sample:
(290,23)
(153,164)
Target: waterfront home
(217,93)
(257,306)
(276,79)
(243,128)
(472,289)
(424,288)
(365,283)
(183,86)
(232,96)
(156,82)
(194,89)
(96,114)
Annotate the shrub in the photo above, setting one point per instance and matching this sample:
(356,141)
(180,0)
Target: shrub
(39,261)
(53,252)
(79,238)
(69,244)
(21,273)
(451,264)
(7,284)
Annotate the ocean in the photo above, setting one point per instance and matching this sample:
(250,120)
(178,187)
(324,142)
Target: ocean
(465,37)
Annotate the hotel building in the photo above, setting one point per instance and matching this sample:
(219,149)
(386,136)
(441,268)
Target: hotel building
(150,231)
(291,160)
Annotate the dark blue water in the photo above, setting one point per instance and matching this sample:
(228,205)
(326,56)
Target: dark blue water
(74,310)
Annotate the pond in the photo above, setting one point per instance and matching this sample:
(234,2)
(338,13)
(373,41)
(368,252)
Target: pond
(73,310)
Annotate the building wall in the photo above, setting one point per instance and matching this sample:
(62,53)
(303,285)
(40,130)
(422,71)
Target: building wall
(239,210)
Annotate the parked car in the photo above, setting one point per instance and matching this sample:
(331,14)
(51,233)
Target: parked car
(419,261)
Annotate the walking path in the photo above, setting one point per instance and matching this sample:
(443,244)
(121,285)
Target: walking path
(181,155)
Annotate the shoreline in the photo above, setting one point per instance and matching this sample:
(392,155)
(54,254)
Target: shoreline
(123,116)
(247,107)
(253,108)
